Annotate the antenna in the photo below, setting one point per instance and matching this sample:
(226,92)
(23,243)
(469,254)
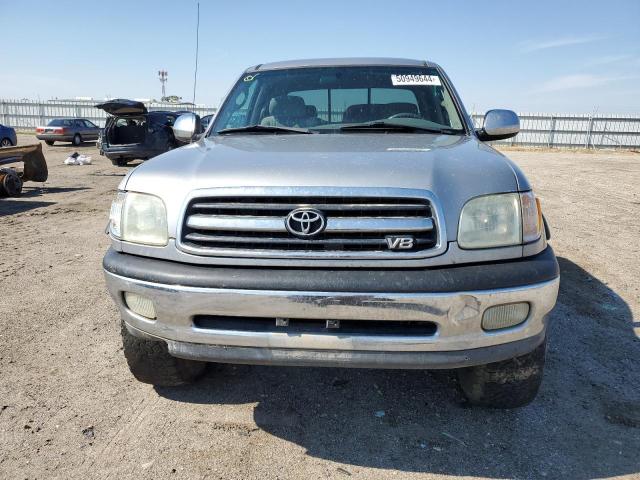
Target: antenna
(195,73)
(162,76)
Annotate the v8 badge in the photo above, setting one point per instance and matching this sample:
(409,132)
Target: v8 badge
(399,243)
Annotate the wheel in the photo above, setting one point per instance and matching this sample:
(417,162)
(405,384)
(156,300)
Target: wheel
(5,142)
(77,139)
(508,384)
(119,162)
(150,362)
(10,183)
(49,142)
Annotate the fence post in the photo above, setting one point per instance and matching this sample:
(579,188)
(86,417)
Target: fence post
(552,129)
(589,130)
(41,113)
(3,113)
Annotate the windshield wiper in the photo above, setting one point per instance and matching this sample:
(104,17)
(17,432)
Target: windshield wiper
(264,129)
(383,125)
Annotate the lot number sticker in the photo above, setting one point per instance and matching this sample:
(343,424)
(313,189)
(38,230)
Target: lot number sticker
(415,80)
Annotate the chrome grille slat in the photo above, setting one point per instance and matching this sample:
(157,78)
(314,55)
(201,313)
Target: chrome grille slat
(356,224)
(234,223)
(334,224)
(286,207)
(379,224)
(198,237)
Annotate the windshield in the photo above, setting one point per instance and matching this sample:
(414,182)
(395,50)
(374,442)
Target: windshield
(324,100)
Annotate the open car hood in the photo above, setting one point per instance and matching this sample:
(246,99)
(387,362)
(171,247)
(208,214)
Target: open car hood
(122,106)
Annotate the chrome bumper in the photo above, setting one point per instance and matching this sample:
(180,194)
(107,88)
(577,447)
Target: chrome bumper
(459,340)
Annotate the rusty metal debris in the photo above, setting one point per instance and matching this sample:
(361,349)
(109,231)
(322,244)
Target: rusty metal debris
(34,168)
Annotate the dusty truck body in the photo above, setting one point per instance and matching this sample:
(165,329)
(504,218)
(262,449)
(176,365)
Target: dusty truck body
(336,212)
(19,165)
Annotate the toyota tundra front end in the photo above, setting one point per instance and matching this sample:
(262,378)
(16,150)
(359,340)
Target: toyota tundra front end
(340,212)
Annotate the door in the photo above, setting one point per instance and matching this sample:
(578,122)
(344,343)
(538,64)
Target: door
(92,130)
(80,127)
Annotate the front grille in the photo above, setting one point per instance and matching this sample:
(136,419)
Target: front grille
(296,326)
(354,224)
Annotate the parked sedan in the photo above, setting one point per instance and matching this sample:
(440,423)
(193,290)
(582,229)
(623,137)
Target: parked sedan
(74,130)
(7,136)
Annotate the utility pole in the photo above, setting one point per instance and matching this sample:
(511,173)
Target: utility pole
(162,76)
(195,73)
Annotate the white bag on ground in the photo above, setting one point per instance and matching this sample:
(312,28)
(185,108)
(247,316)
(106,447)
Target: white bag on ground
(77,159)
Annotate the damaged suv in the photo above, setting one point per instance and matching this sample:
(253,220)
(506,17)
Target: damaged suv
(340,212)
(132,132)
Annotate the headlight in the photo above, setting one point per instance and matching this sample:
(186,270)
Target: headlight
(139,218)
(500,220)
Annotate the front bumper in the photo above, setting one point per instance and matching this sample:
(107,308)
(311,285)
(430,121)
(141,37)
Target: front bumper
(453,298)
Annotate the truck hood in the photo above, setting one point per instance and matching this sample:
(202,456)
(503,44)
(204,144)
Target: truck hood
(453,168)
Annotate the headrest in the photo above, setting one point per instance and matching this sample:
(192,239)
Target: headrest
(357,113)
(312,111)
(287,106)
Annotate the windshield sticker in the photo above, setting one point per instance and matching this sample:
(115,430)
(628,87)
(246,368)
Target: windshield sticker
(432,80)
(249,78)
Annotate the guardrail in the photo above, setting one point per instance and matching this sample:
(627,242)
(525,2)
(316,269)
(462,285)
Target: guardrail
(536,129)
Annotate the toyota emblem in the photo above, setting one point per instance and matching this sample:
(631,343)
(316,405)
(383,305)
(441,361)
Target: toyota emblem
(305,222)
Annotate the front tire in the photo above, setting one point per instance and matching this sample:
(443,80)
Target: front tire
(508,384)
(6,143)
(119,162)
(49,142)
(77,139)
(150,362)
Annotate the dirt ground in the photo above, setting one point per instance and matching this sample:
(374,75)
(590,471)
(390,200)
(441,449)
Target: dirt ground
(70,409)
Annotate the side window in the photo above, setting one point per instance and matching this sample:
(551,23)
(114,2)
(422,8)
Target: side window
(78,123)
(88,124)
(450,109)
(238,107)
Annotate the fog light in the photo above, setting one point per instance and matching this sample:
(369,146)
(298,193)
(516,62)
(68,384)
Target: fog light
(141,305)
(505,316)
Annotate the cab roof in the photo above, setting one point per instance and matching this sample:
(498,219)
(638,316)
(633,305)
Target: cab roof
(341,62)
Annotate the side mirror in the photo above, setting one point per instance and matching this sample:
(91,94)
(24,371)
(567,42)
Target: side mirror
(499,124)
(186,126)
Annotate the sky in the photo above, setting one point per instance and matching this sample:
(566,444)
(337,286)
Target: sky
(540,56)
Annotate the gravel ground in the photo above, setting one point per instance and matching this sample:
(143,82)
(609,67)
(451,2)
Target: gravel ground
(70,409)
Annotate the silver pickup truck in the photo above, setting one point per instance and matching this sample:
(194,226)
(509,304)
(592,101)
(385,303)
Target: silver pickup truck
(336,212)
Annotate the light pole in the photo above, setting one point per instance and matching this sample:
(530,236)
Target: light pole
(162,75)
